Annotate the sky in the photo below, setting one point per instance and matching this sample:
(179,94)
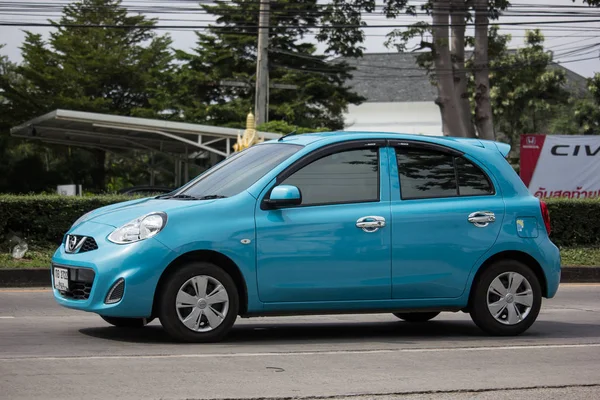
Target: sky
(574,42)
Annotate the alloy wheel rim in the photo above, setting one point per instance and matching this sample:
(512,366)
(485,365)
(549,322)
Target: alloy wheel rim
(510,298)
(202,303)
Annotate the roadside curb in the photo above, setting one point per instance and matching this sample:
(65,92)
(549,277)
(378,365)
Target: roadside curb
(40,277)
(580,275)
(25,277)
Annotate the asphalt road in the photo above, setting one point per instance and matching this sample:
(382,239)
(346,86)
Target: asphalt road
(47,352)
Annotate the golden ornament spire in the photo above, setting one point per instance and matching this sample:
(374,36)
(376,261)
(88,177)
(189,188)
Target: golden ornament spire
(249,137)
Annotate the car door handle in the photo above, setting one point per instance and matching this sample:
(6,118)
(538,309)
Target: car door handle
(482,219)
(370,223)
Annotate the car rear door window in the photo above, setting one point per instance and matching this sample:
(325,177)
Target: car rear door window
(426,173)
(350,176)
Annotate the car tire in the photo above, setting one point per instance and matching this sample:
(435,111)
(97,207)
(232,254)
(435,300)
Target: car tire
(198,303)
(417,317)
(127,322)
(506,299)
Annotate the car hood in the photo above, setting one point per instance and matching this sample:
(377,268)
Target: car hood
(119,214)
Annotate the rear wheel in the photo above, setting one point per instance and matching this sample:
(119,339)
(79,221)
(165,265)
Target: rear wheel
(506,299)
(127,322)
(417,317)
(198,303)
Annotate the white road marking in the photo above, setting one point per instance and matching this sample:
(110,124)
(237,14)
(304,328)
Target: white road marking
(309,353)
(8,317)
(25,290)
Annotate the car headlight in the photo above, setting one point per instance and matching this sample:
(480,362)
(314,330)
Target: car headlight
(81,219)
(140,228)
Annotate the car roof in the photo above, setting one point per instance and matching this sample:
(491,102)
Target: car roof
(341,136)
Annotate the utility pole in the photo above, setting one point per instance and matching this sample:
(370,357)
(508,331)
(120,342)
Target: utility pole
(262,66)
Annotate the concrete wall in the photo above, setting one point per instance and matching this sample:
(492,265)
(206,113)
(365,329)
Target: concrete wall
(406,117)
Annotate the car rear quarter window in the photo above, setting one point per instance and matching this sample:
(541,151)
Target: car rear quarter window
(426,173)
(472,181)
(349,176)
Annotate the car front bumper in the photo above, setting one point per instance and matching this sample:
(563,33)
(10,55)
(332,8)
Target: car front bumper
(139,264)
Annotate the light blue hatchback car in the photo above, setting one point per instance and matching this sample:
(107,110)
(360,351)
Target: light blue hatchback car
(321,223)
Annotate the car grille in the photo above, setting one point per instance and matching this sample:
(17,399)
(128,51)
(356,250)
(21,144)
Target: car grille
(81,281)
(89,245)
(78,291)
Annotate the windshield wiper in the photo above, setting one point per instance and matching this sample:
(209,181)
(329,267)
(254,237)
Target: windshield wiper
(211,197)
(180,196)
(188,197)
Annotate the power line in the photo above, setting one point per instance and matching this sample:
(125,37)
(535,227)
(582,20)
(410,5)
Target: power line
(307,26)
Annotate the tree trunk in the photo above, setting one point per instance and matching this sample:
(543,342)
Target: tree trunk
(446,100)
(483,110)
(457,18)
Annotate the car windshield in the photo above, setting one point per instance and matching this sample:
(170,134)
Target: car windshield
(237,173)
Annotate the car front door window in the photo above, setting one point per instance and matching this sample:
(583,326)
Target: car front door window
(344,177)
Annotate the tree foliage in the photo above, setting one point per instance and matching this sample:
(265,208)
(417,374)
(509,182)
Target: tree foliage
(285,128)
(216,81)
(112,70)
(580,116)
(109,70)
(445,40)
(524,89)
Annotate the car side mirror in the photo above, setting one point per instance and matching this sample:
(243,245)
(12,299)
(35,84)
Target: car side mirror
(284,195)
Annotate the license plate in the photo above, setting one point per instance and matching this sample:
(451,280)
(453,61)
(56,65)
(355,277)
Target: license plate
(61,278)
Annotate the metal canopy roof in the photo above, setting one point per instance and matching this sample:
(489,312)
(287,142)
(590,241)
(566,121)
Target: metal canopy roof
(117,133)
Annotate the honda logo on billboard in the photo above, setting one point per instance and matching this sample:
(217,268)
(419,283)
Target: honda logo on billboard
(530,139)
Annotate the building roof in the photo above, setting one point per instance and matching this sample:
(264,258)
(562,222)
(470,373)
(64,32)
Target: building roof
(396,77)
(390,77)
(118,133)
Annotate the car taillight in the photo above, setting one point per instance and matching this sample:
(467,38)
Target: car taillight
(546,216)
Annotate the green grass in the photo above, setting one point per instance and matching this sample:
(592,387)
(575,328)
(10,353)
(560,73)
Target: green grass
(580,256)
(39,257)
(35,258)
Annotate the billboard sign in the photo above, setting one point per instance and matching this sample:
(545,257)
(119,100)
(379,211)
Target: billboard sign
(561,166)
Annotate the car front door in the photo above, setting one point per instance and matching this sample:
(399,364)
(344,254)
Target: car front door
(446,214)
(317,251)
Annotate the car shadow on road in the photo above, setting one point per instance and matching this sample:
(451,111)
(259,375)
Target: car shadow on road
(394,332)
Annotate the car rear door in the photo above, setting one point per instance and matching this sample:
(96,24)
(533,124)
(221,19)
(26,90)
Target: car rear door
(446,214)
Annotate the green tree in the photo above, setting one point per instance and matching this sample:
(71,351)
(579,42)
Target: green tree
(10,158)
(226,56)
(524,90)
(587,111)
(109,70)
(285,128)
(116,70)
(446,50)
(5,119)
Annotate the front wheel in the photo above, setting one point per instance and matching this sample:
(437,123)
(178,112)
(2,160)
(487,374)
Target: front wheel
(417,317)
(127,322)
(199,303)
(506,299)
